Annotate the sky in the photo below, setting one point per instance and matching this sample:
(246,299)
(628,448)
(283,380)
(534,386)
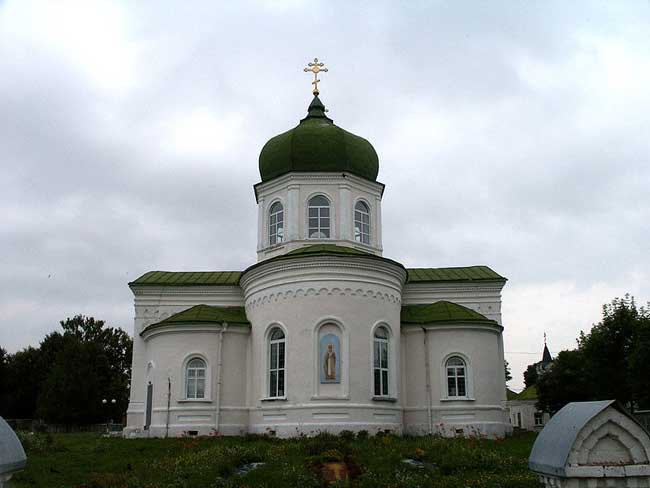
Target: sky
(511,134)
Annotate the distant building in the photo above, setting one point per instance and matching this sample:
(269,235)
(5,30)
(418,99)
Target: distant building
(522,407)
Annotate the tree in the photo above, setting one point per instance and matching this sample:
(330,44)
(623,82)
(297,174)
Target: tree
(531,375)
(3,378)
(606,350)
(68,375)
(507,371)
(566,381)
(611,361)
(25,374)
(91,362)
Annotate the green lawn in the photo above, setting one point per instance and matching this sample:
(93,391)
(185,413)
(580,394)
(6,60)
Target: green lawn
(91,461)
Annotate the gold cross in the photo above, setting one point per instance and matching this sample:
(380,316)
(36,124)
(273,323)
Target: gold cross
(315,68)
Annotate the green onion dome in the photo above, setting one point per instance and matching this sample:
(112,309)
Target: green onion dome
(317,145)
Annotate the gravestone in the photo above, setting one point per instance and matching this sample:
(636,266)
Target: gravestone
(592,445)
(12,454)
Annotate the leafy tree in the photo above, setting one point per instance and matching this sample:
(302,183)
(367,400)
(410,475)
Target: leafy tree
(606,350)
(639,364)
(530,375)
(611,361)
(507,371)
(25,374)
(67,376)
(91,362)
(566,381)
(3,377)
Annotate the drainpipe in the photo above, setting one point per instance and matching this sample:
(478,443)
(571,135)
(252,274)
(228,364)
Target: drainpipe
(427,375)
(169,399)
(217,411)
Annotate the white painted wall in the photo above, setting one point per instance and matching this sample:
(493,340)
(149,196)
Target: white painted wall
(294,190)
(349,295)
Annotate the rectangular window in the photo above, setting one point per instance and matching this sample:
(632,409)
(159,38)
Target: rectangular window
(276,369)
(539,418)
(380,366)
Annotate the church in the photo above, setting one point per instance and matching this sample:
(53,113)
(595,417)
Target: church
(323,333)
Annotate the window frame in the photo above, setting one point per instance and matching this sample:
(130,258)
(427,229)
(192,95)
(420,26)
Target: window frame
(319,217)
(538,415)
(276,227)
(359,223)
(380,344)
(279,370)
(196,377)
(455,376)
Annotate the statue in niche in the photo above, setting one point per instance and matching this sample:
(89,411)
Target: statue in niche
(330,359)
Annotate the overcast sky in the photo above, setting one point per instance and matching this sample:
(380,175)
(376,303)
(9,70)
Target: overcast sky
(512,134)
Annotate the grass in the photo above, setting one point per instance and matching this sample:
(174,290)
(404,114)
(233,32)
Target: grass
(92,461)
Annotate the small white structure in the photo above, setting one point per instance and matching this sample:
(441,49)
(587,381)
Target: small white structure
(12,454)
(524,413)
(592,445)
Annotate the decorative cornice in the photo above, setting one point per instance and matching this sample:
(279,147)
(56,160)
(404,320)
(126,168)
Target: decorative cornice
(319,178)
(190,328)
(324,268)
(303,292)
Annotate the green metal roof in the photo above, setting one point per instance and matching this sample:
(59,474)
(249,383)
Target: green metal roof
(316,144)
(468,273)
(441,311)
(189,278)
(204,314)
(529,393)
(510,395)
(329,249)
(323,250)
(231,278)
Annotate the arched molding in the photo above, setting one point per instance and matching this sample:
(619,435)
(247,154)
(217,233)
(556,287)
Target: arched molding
(276,199)
(331,391)
(302,292)
(610,423)
(469,376)
(273,325)
(182,378)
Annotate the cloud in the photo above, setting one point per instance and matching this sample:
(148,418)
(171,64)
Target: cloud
(512,135)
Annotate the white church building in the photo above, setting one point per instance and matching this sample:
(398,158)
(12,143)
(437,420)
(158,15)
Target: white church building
(323,333)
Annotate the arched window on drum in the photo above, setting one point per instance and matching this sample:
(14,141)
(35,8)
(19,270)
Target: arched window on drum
(276,224)
(319,218)
(362,223)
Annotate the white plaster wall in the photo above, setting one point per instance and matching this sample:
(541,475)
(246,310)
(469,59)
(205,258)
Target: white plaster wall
(483,297)
(153,304)
(527,410)
(483,412)
(294,191)
(299,296)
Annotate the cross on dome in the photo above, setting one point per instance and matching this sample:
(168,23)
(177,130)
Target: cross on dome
(315,67)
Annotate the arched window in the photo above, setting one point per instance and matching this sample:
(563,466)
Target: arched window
(277,349)
(276,224)
(319,218)
(195,379)
(362,223)
(456,377)
(380,362)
